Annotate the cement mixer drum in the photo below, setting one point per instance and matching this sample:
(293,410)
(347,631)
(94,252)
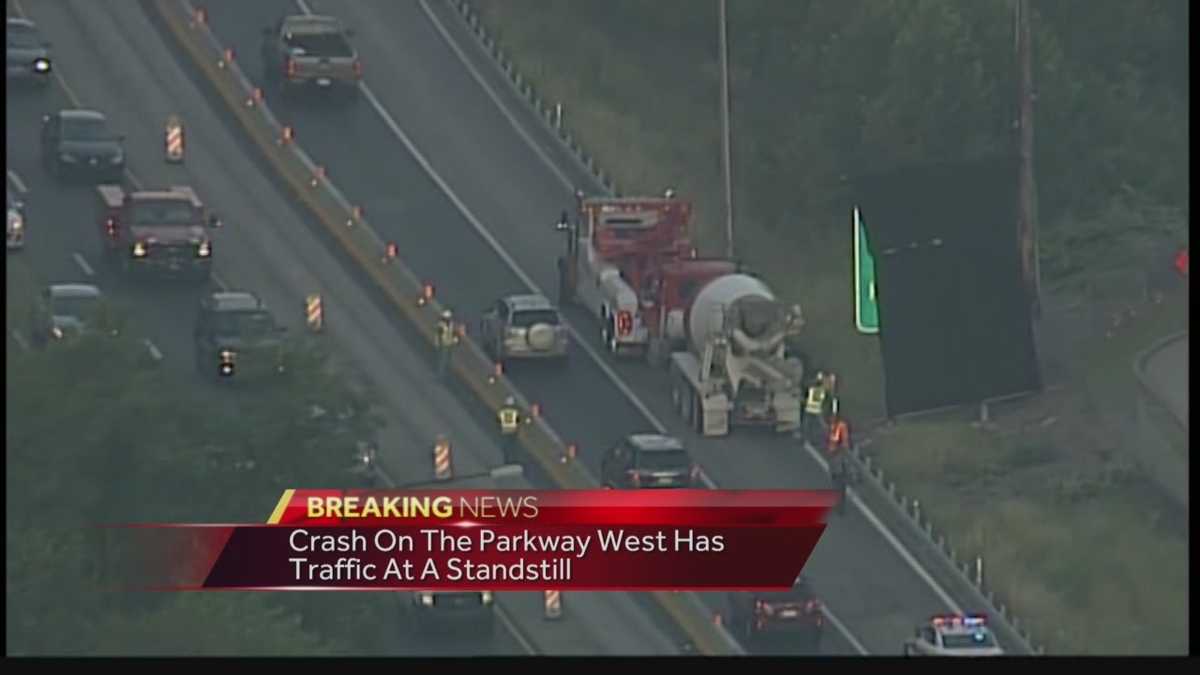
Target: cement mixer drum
(745,299)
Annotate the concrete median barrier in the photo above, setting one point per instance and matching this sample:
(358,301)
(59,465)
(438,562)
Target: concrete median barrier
(349,225)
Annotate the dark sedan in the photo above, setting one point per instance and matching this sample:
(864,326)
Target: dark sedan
(27,54)
(79,143)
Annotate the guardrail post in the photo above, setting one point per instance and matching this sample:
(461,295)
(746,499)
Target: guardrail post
(979,571)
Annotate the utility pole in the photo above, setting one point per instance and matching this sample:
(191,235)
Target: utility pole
(726,161)
(1027,188)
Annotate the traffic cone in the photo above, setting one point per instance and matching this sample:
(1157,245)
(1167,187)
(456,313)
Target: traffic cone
(553,604)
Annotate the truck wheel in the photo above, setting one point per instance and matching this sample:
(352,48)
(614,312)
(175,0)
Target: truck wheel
(698,415)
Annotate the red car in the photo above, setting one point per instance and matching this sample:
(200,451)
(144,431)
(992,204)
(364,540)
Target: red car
(795,613)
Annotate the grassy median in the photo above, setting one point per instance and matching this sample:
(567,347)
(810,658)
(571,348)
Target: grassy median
(1078,544)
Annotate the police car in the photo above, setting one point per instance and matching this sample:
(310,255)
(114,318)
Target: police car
(953,635)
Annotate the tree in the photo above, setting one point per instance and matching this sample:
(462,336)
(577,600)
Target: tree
(131,443)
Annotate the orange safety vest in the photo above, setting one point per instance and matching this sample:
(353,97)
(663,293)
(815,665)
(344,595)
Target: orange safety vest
(839,436)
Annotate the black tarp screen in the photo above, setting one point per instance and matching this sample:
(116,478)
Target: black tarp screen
(954,321)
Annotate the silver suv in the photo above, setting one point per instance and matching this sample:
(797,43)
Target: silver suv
(524,327)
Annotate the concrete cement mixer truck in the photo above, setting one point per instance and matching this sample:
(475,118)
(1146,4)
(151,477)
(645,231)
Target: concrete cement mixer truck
(736,371)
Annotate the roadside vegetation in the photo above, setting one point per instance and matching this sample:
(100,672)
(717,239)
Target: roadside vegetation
(98,434)
(1078,543)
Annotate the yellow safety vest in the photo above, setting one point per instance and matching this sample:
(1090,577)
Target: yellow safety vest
(446,334)
(816,400)
(508,420)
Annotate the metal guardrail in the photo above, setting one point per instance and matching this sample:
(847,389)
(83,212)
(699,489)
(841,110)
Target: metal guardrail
(1163,436)
(349,225)
(1013,631)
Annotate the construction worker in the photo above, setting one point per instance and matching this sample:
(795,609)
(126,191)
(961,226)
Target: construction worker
(447,338)
(837,446)
(814,407)
(509,417)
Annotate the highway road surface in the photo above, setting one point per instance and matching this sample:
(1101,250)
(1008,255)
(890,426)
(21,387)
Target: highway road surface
(109,56)
(455,170)
(1167,371)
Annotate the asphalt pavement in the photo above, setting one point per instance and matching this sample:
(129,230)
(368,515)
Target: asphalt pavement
(1167,371)
(110,57)
(504,170)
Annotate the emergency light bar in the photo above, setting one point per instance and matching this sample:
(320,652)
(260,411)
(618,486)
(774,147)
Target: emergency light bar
(968,620)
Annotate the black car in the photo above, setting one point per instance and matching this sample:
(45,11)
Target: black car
(795,614)
(237,337)
(455,612)
(66,311)
(649,461)
(79,143)
(26,53)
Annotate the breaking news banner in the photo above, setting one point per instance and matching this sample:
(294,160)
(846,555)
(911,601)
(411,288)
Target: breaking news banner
(517,540)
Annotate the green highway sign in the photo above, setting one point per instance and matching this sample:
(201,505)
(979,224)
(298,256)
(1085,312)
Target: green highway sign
(866,308)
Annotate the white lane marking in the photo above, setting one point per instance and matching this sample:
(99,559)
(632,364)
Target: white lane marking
(512,119)
(870,516)
(154,353)
(512,629)
(83,264)
(15,179)
(220,282)
(841,628)
(16,336)
(907,557)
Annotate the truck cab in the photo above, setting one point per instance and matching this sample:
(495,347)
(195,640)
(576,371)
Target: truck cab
(161,232)
(613,246)
(311,52)
(236,336)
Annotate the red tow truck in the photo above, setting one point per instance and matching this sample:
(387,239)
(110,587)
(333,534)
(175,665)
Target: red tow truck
(157,231)
(616,251)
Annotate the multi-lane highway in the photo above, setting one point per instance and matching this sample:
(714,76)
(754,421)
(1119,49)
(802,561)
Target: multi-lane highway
(110,56)
(451,166)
